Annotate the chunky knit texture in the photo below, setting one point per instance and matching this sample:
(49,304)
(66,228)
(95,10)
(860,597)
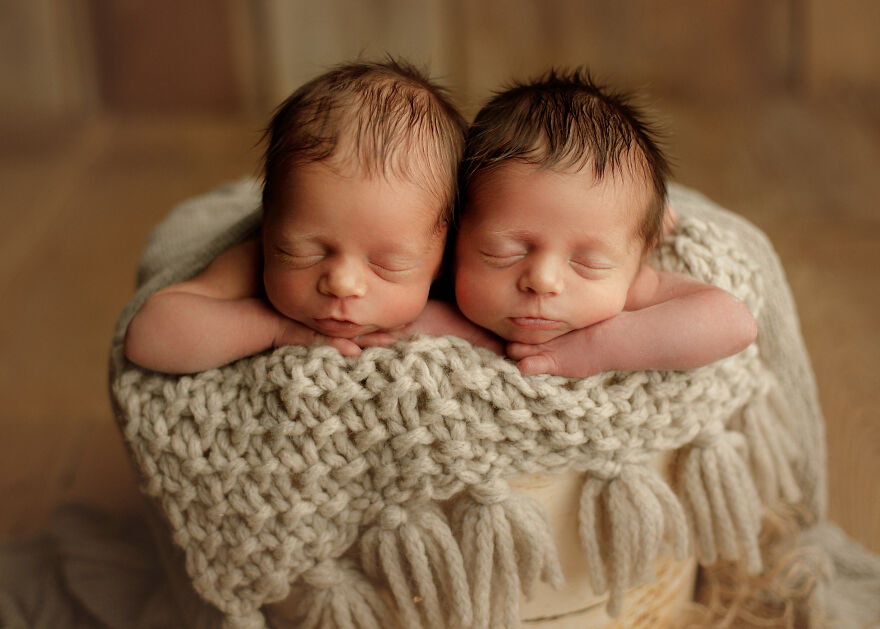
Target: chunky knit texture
(273,471)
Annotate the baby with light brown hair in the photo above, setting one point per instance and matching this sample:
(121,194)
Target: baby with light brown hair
(359,187)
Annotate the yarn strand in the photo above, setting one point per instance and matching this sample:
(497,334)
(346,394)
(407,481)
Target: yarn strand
(767,437)
(590,531)
(535,548)
(721,498)
(446,560)
(507,544)
(638,509)
(336,595)
(409,548)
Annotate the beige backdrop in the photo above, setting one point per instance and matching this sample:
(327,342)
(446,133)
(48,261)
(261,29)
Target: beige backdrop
(112,111)
(82,56)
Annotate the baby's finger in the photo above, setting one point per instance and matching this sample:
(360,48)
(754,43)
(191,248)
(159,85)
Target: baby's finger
(541,363)
(346,347)
(375,339)
(517,351)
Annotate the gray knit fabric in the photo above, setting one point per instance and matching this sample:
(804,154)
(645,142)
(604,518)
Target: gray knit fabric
(302,468)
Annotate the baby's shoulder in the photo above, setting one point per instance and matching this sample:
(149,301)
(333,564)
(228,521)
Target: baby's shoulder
(235,273)
(642,286)
(652,286)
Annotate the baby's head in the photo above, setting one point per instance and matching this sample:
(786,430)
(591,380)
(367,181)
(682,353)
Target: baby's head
(359,185)
(563,194)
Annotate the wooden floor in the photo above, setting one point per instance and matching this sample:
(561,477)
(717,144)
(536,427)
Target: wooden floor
(77,200)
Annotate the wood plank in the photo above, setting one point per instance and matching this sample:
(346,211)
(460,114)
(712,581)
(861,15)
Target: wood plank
(148,59)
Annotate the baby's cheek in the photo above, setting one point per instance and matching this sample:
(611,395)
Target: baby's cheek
(401,305)
(602,306)
(283,297)
(412,308)
(474,299)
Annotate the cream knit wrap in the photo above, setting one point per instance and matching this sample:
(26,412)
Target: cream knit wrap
(302,468)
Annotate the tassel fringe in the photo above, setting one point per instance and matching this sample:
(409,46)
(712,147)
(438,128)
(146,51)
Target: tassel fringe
(633,511)
(720,498)
(771,448)
(253,620)
(335,594)
(507,545)
(409,550)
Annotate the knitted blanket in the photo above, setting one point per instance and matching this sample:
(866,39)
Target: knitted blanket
(302,468)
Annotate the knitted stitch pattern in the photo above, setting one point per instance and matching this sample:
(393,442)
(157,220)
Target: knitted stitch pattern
(272,470)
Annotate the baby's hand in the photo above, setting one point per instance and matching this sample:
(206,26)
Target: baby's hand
(375,339)
(294,333)
(437,319)
(440,318)
(566,355)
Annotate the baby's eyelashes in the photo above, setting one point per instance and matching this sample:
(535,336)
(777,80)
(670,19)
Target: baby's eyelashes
(393,264)
(297,260)
(383,266)
(590,266)
(387,271)
(501,259)
(586,267)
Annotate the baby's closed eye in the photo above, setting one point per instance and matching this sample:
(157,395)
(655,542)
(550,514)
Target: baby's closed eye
(299,259)
(591,267)
(502,257)
(392,265)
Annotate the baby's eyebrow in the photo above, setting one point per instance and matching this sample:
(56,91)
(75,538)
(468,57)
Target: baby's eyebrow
(583,244)
(297,239)
(510,234)
(400,251)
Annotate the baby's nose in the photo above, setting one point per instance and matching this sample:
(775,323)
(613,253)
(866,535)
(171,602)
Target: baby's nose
(543,277)
(343,279)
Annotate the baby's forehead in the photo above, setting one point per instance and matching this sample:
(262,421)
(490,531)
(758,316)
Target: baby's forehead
(626,183)
(313,188)
(623,194)
(414,169)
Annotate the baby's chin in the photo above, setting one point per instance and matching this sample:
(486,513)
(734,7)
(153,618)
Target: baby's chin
(530,337)
(340,328)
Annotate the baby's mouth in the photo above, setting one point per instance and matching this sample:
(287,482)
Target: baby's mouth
(535,323)
(338,325)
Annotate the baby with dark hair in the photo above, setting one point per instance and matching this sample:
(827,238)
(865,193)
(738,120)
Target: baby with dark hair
(359,186)
(563,196)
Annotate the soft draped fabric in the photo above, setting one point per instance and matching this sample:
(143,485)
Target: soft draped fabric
(300,468)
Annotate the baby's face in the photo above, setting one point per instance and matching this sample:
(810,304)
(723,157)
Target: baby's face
(346,254)
(541,253)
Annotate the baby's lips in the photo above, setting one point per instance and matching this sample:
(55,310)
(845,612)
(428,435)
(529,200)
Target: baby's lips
(338,326)
(534,323)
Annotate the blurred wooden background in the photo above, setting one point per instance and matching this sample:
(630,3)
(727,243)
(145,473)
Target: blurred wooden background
(111,112)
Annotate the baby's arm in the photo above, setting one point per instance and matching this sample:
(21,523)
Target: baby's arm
(215,318)
(670,321)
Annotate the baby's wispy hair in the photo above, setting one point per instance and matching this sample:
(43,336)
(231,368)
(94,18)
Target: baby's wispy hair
(381,118)
(565,121)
